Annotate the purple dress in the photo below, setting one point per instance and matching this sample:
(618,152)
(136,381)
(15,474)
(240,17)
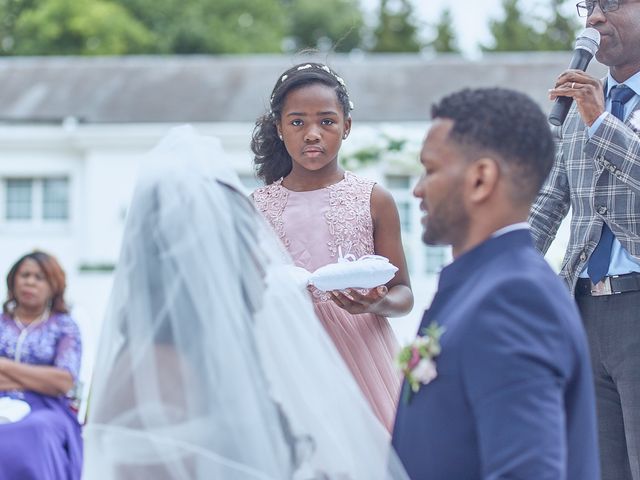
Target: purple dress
(47,443)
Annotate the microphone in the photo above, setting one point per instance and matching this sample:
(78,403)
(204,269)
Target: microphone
(586,47)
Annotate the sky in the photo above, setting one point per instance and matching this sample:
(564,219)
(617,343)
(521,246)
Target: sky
(471,17)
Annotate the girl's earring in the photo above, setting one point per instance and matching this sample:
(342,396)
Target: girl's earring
(281,137)
(344,137)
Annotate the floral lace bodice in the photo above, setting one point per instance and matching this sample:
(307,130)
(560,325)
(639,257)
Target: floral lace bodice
(315,225)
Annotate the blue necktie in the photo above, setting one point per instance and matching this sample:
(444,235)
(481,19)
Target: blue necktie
(601,256)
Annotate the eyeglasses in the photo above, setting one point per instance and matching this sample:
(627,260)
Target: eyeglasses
(586,7)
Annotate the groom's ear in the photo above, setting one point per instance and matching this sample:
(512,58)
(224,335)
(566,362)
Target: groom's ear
(482,179)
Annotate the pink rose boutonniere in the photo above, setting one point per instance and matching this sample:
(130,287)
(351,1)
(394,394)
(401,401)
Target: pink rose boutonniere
(416,360)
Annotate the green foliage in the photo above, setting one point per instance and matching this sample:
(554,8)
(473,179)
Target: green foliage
(392,150)
(78,27)
(396,144)
(212,26)
(104,27)
(515,33)
(336,23)
(10,11)
(96,267)
(396,31)
(365,156)
(164,18)
(560,31)
(445,40)
(244,26)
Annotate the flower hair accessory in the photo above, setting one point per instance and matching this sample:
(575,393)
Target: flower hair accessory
(320,66)
(416,360)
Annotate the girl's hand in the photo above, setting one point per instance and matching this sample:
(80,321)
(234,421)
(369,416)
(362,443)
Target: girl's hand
(355,302)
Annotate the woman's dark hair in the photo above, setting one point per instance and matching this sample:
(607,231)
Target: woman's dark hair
(271,157)
(53,273)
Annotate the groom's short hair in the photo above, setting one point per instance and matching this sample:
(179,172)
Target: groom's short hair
(506,124)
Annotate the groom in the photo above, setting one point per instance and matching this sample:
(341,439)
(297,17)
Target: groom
(513,396)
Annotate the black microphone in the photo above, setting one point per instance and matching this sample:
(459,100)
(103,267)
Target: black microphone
(587,45)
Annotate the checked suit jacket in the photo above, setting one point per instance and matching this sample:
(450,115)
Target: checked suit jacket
(599,178)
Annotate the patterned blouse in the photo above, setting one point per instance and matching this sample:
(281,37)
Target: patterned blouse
(55,342)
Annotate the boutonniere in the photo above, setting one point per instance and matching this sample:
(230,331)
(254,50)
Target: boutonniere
(416,360)
(634,121)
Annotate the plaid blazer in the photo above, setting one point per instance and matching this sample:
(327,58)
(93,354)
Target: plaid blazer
(599,178)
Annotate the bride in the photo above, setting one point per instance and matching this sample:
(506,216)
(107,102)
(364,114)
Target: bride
(211,362)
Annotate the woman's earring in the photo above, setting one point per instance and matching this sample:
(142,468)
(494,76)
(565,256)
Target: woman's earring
(344,137)
(281,137)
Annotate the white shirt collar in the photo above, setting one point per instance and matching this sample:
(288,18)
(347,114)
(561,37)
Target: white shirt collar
(511,228)
(632,82)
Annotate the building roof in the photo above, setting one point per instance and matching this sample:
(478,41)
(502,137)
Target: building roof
(158,89)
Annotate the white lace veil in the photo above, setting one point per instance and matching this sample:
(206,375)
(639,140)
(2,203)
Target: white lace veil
(211,363)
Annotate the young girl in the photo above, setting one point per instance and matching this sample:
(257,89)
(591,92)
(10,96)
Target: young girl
(321,212)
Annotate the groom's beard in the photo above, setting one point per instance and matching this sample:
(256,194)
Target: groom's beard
(447,223)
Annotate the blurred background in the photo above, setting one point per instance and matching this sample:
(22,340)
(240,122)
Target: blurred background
(87,86)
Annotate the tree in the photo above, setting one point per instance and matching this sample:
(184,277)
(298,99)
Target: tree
(10,11)
(396,31)
(78,27)
(445,40)
(338,23)
(560,31)
(212,26)
(513,33)
(100,27)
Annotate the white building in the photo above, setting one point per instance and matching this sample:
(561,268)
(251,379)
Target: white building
(72,131)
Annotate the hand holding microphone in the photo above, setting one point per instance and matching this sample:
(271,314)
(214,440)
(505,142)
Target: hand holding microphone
(564,92)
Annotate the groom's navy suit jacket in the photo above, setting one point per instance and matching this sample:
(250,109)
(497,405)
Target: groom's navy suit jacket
(513,398)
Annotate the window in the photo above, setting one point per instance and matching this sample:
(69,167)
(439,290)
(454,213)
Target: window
(36,199)
(19,199)
(400,188)
(55,199)
(435,259)
(399,182)
(404,211)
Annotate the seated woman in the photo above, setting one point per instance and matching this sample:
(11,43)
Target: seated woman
(40,353)
(212,364)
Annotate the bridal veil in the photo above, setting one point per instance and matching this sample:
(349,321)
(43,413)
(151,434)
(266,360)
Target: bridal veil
(211,362)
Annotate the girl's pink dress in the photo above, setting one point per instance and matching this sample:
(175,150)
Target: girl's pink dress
(313,225)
